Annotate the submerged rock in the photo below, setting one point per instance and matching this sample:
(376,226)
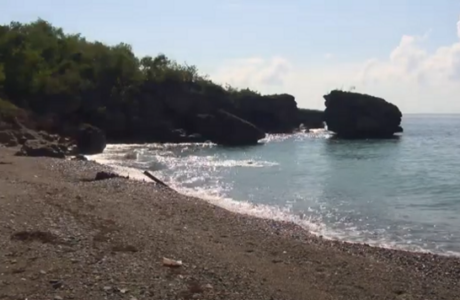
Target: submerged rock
(354,115)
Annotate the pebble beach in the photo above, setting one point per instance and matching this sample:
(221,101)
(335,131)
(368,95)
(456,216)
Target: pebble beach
(64,235)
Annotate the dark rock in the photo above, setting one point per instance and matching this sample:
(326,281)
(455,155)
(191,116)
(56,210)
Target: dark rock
(90,140)
(270,113)
(107,175)
(310,118)
(39,236)
(35,148)
(8,139)
(56,284)
(224,128)
(354,115)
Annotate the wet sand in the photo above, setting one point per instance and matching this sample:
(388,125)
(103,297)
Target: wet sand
(65,236)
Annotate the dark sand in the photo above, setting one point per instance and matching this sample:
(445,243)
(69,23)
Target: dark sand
(63,236)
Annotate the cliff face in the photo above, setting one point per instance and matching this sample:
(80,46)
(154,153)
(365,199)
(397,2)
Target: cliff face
(177,111)
(354,115)
(174,111)
(271,113)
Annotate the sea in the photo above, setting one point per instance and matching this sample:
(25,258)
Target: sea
(401,193)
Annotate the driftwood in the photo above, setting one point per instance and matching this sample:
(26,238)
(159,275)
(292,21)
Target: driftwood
(149,175)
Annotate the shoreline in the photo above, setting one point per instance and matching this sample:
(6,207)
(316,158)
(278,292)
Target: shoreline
(108,238)
(235,205)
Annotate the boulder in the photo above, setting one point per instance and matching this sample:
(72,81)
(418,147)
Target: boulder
(90,140)
(35,148)
(226,129)
(354,115)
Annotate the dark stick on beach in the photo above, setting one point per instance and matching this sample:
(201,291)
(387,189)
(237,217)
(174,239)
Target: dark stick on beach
(156,180)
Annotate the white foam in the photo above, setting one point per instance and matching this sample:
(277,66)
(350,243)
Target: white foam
(299,136)
(164,157)
(211,196)
(214,196)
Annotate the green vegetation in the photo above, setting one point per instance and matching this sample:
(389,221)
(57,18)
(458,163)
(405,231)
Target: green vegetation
(41,66)
(74,81)
(8,110)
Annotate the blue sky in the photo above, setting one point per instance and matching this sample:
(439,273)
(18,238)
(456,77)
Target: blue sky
(407,51)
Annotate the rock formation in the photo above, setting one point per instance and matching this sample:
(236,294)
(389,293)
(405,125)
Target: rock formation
(90,140)
(354,115)
(36,148)
(226,129)
(270,113)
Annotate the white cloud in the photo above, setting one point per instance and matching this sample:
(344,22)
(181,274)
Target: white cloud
(458,29)
(254,72)
(410,63)
(415,79)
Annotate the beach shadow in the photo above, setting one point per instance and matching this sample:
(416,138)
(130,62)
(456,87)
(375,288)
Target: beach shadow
(124,248)
(37,236)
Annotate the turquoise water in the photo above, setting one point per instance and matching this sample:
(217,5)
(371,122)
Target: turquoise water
(400,193)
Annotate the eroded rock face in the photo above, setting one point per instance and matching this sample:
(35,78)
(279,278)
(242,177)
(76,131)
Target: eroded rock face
(354,115)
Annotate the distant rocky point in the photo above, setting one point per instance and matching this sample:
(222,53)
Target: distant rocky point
(354,115)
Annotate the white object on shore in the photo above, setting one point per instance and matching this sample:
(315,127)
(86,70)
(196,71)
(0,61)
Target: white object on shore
(171,263)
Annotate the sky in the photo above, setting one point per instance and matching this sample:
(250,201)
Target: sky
(406,51)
